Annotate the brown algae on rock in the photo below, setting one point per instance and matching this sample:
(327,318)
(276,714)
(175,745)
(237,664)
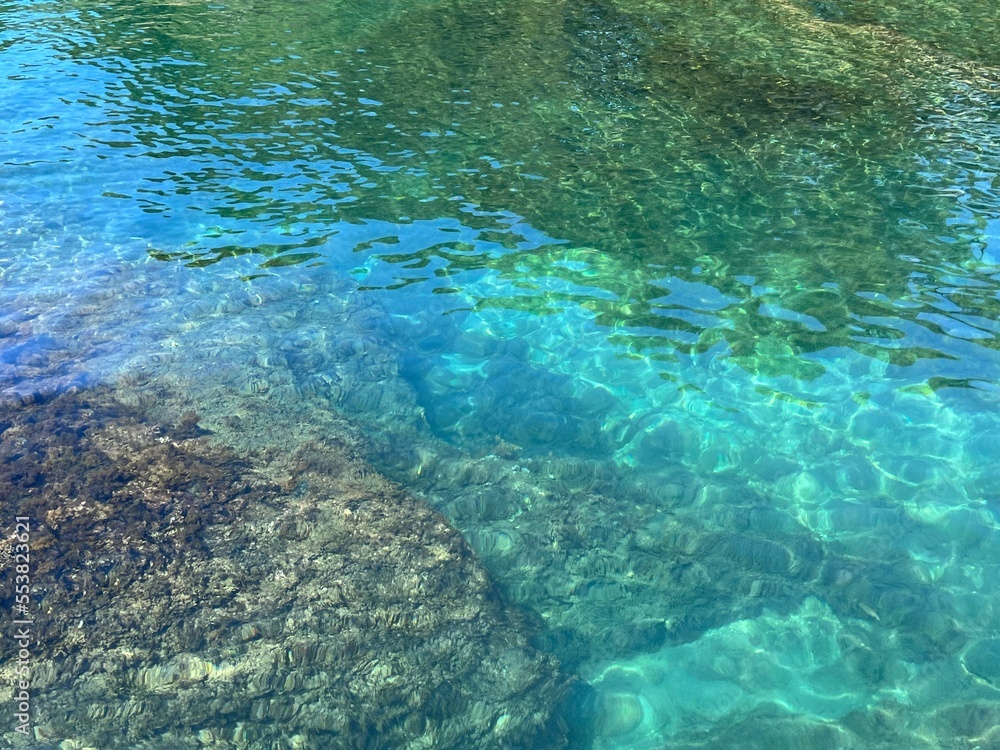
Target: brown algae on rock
(187,596)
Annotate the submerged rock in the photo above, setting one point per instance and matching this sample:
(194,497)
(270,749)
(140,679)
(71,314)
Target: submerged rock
(983,660)
(186,596)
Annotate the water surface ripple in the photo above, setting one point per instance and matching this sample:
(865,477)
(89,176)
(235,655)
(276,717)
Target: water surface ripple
(686,314)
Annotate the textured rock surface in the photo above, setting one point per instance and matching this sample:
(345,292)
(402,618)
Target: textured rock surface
(187,596)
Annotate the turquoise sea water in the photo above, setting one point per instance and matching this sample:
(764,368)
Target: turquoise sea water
(685,314)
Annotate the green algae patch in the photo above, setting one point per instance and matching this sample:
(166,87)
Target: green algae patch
(185,596)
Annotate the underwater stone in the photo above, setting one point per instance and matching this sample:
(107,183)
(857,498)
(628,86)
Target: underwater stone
(664,444)
(618,714)
(197,612)
(492,543)
(983,660)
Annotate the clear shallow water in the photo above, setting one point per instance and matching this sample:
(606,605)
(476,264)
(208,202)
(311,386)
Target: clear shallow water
(686,315)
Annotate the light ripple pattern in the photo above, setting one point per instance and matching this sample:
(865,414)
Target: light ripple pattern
(685,314)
